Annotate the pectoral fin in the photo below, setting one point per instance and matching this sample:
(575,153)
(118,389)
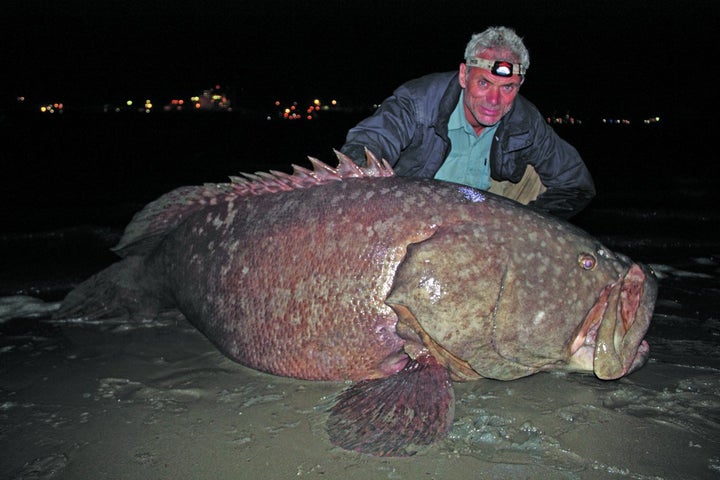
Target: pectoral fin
(396,415)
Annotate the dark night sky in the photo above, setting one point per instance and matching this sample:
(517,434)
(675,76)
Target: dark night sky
(639,57)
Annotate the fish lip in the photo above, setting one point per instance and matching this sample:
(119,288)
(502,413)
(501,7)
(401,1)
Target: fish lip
(612,336)
(620,347)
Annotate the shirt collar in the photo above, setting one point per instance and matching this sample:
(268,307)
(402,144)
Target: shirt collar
(457,118)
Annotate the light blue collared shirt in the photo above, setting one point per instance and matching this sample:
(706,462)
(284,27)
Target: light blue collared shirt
(468,161)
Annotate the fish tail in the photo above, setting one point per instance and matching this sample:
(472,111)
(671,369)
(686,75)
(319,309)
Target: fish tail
(111,293)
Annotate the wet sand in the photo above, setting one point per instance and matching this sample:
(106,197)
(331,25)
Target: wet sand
(118,401)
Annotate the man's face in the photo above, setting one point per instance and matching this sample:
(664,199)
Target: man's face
(487,97)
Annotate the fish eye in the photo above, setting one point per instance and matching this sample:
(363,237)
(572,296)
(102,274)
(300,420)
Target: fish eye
(587,261)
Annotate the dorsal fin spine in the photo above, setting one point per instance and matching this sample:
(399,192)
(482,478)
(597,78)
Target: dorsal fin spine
(269,182)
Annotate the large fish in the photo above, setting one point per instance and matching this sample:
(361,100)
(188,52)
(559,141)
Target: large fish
(401,285)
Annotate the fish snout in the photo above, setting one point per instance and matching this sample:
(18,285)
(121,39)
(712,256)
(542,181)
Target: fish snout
(611,339)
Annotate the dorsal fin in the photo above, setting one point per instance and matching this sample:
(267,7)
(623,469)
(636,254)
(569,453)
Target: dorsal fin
(161,216)
(274,181)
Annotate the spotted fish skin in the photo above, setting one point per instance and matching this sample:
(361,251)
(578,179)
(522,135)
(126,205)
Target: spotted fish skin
(354,274)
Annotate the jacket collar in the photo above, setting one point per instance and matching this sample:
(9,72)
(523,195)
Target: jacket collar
(447,104)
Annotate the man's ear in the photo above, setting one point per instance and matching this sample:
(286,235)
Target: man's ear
(461,77)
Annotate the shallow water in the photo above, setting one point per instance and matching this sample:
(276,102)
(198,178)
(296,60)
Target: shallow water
(156,400)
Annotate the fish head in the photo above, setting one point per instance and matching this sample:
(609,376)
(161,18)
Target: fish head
(513,292)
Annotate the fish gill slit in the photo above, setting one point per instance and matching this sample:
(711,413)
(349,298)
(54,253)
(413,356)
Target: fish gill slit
(495,310)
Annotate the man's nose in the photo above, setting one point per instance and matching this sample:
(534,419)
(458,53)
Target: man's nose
(493,95)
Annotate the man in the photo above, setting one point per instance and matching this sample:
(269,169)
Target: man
(472,127)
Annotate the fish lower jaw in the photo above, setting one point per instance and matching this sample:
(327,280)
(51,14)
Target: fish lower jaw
(607,363)
(604,361)
(642,355)
(582,360)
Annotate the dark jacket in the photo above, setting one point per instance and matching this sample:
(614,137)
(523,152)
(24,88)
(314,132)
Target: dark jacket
(410,131)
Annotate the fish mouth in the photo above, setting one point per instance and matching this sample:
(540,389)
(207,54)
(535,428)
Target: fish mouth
(610,341)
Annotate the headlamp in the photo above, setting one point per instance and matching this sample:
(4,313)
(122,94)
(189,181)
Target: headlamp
(500,68)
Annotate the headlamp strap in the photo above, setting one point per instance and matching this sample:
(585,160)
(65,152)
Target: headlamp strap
(500,68)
